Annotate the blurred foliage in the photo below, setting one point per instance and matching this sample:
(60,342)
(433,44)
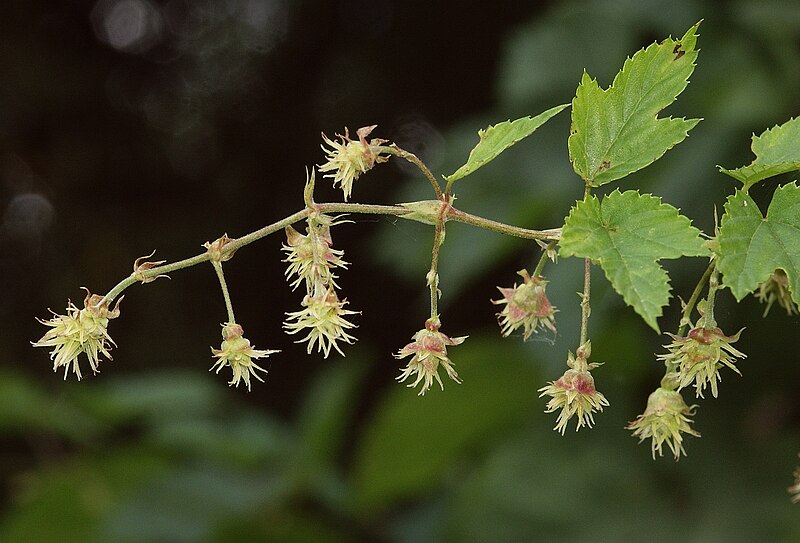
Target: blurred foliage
(325,451)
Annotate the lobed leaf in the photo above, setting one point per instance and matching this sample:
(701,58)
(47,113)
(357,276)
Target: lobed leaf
(497,138)
(777,151)
(617,131)
(751,246)
(627,234)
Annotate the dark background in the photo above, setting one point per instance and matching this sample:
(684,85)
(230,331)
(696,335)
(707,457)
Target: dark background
(133,125)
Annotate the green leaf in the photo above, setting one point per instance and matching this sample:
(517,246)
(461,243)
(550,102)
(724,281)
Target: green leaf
(617,131)
(751,246)
(496,139)
(627,234)
(777,151)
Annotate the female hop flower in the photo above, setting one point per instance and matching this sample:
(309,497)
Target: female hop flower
(323,315)
(348,159)
(428,351)
(664,420)
(80,331)
(237,353)
(527,307)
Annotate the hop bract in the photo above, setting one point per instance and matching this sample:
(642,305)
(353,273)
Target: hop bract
(80,331)
(323,316)
(348,159)
(574,393)
(428,352)
(237,353)
(664,420)
(311,257)
(527,307)
(699,356)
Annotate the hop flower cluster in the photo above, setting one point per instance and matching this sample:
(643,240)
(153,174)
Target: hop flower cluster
(699,356)
(237,353)
(348,159)
(663,421)
(775,289)
(428,351)
(312,259)
(80,331)
(526,307)
(574,393)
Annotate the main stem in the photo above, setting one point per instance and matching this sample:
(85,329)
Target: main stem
(433,274)
(450,213)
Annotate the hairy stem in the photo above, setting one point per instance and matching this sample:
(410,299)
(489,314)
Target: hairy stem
(586,309)
(225,294)
(433,274)
(450,213)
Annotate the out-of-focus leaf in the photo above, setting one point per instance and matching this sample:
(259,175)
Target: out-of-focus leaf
(412,441)
(68,503)
(627,235)
(777,151)
(617,131)
(499,137)
(751,246)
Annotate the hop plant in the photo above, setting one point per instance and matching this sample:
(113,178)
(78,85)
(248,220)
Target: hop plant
(428,351)
(311,257)
(526,307)
(663,421)
(700,355)
(237,353)
(323,316)
(574,393)
(80,331)
(348,159)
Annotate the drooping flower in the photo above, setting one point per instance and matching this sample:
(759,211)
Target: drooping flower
(311,257)
(323,316)
(794,490)
(428,351)
(80,331)
(574,393)
(700,355)
(775,289)
(663,421)
(348,159)
(527,307)
(237,353)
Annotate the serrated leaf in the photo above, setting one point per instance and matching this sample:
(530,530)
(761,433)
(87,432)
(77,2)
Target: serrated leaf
(617,131)
(497,138)
(627,234)
(777,151)
(751,246)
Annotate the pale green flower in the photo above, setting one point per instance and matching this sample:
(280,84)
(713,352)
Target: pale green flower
(323,316)
(348,159)
(80,331)
(311,257)
(700,355)
(237,353)
(664,421)
(526,307)
(776,289)
(428,352)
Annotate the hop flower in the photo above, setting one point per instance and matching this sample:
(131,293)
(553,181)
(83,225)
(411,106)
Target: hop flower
(348,159)
(311,257)
(794,490)
(574,393)
(237,353)
(664,420)
(699,357)
(775,289)
(323,316)
(428,351)
(526,307)
(80,331)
